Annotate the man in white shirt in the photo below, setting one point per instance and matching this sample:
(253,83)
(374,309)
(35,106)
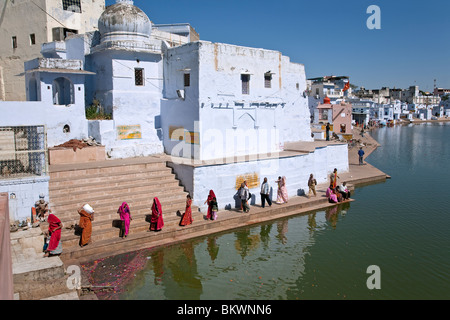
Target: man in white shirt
(265,191)
(344,191)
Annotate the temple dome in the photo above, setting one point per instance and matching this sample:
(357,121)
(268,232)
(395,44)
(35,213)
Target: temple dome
(123,21)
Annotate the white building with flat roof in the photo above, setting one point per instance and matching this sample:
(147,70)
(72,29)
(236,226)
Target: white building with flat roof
(25,25)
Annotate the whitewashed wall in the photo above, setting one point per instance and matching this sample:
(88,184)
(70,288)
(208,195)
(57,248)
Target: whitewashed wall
(23,193)
(222,178)
(53,117)
(228,122)
(177,112)
(130,105)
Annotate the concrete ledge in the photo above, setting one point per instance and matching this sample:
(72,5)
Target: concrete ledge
(68,155)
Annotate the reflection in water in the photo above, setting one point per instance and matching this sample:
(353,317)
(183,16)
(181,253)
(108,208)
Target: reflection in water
(213,248)
(246,242)
(332,215)
(186,271)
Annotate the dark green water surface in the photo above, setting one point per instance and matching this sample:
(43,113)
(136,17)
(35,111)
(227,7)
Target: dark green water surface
(402,226)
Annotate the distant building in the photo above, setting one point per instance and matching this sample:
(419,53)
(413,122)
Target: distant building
(339,116)
(26,24)
(441,92)
(333,87)
(376,95)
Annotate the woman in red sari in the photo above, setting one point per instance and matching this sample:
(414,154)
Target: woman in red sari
(54,232)
(186,219)
(157,222)
(211,196)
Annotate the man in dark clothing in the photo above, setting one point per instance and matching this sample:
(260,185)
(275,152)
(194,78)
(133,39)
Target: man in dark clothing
(361,154)
(328,131)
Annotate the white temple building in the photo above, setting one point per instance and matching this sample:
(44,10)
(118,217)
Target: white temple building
(223,112)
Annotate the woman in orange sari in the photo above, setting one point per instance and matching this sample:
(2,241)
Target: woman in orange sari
(186,219)
(157,222)
(86,217)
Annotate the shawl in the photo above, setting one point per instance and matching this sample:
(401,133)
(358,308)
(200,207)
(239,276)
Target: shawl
(211,195)
(123,210)
(157,221)
(156,207)
(54,223)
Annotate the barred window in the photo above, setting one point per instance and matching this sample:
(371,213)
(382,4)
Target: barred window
(72,5)
(268,80)
(187,79)
(245,79)
(23,152)
(139,77)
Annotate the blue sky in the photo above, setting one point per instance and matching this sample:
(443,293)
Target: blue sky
(329,37)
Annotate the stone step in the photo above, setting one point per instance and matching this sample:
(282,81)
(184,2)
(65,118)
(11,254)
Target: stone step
(105,230)
(106,203)
(107,179)
(104,168)
(137,212)
(115,191)
(137,207)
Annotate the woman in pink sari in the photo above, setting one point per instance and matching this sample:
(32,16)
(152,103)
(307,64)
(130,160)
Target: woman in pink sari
(125,216)
(54,232)
(211,196)
(157,222)
(282,194)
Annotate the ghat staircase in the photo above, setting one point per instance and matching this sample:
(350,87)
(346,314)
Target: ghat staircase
(105,185)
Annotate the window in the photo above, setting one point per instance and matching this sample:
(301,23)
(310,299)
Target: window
(63,92)
(72,5)
(14,42)
(245,78)
(139,76)
(267,80)
(187,79)
(32,39)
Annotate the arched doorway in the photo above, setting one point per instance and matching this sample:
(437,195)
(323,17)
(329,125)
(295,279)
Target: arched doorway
(63,92)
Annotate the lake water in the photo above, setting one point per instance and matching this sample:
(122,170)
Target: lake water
(402,226)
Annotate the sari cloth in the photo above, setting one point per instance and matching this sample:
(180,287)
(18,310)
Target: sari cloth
(86,225)
(282,194)
(333,179)
(211,196)
(186,219)
(157,222)
(124,213)
(55,235)
(333,198)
